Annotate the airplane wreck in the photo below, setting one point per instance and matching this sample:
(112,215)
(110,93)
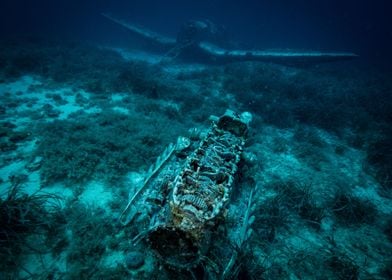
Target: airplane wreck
(201,41)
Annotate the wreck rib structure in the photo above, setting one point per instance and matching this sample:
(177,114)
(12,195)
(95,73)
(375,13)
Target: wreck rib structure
(198,195)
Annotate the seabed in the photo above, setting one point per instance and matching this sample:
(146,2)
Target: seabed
(81,124)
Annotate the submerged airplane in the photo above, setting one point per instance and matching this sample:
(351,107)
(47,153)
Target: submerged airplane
(198,41)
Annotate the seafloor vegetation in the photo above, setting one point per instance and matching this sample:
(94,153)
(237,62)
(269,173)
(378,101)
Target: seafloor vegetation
(80,124)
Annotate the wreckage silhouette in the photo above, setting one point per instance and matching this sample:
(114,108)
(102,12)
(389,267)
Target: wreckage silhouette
(198,40)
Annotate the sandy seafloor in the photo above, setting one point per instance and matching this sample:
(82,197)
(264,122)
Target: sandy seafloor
(324,206)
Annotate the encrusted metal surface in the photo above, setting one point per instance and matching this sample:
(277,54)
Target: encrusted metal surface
(190,190)
(204,185)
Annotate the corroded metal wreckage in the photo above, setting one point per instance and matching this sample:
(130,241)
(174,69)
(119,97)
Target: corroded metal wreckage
(201,41)
(187,191)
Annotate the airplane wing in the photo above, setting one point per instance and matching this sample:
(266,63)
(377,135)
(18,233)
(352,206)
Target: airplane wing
(155,39)
(221,56)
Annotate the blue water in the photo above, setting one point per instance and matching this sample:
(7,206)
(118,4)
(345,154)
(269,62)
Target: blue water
(359,26)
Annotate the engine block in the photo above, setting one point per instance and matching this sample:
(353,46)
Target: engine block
(196,192)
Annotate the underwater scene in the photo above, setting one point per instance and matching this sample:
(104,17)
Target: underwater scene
(195,139)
